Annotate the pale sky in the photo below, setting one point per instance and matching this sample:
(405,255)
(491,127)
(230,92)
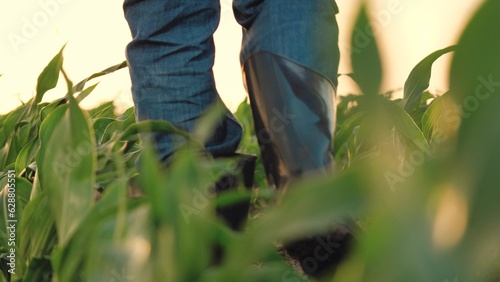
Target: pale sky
(33,31)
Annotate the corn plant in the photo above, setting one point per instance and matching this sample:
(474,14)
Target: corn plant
(418,174)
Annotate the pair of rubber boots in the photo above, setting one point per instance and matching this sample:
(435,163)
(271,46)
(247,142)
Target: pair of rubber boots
(294,118)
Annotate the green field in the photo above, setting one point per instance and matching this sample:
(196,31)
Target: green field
(420,175)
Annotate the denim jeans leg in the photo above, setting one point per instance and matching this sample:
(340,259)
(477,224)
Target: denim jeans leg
(170,60)
(303,31)
(290,59)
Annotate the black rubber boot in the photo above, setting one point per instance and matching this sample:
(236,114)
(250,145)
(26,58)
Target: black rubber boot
(294,116)
(293,111)
(236,214)
(320,255)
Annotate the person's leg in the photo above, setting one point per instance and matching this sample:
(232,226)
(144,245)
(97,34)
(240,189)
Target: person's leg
(170,60)
(290,59)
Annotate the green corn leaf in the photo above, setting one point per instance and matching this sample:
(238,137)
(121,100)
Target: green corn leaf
(22,194)
(69,83)
(101,126)
(386,115)
(105,110)
(366,62)
(67,170)
(49,77)
(23,131)
(475,86)
(346,129)
(47,128)
(405,125)
(110,253)
(346,107)
(11,122)
(3,136)
(149,126)
(181,207)
(69,261)
(128,116)
(79,87)
(37,228)
(441,118)
(162,201)
(85,93)
(13,150)
(48,108)
(27,155)
(418,80)
(39,270)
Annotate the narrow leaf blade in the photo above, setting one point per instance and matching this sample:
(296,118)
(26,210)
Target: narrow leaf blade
(366,62)
(418,80)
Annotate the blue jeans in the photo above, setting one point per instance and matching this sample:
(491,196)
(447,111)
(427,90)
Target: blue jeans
(172,53)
